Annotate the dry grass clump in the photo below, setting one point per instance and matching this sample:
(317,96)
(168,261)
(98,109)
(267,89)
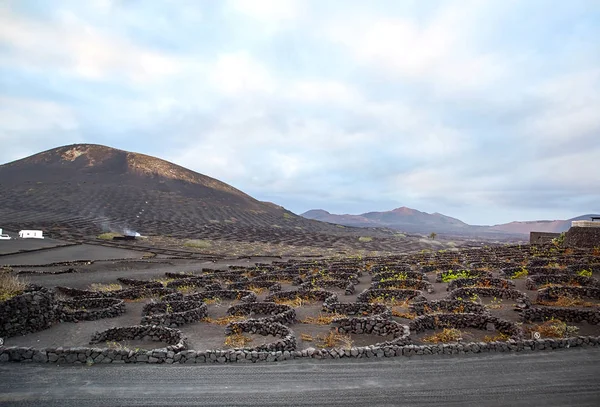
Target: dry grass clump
(322,319)
(564,301)
(334,339)
(237,339)
(553,328)
(499,337)
(213,301)
(104,288)
(406,315)
(187,289)
(389,301)
(365,239)
(306,337)
(164,281)
(224,320)
(107,235)
(258,290)
(447,335)
(198,244)
(10,286)
(459,309)
(570,283)
(295,302)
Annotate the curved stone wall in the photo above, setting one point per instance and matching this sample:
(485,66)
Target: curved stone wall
(282,314)
(359,308)
(33,310)
(399,275)
(591,316)
(170,336)
(521,299)
(242,295)
(326,297)
(446,306)
(368,294)
(173,313)
(480,281)
(477,321)
(552,293)
(272,286)
(533,282)
(375,326)
(472,274)
(286,341)
(140,283)
(90,309)
(408,283)
(125,294)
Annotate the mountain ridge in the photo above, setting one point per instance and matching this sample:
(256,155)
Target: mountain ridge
(413,220)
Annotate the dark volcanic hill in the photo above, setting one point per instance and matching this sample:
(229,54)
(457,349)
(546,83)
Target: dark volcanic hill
(88,188)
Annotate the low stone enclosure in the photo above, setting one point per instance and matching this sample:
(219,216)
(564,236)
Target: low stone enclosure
(90,309)
(261,301)
(473,320)
(283,314)
(173,313)
(32,311)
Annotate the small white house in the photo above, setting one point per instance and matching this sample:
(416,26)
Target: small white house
(31,234)
(4,236)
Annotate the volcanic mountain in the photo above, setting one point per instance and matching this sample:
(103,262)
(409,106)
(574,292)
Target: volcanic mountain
(87,188)
(403,218)
(412,220)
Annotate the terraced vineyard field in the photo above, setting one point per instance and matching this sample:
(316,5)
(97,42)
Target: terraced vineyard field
(497,299)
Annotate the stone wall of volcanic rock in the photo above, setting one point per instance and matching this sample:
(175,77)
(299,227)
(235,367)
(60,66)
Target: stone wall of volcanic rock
(33,310)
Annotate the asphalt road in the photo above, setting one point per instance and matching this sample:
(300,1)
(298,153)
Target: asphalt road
(559,378)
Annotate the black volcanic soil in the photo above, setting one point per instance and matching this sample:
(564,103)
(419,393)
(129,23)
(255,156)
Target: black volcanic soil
(77,192)
(204,335)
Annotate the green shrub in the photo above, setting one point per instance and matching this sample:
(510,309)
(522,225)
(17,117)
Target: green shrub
(450,275)
(365,239)
(585,273)
(521,273)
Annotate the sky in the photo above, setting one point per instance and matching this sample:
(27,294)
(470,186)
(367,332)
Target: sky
(488,111)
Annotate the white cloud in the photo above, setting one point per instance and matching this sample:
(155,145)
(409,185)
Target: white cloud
(75,47)
(23,115)
(439,51)
(324,92)
(237,73)
(570,113)
(30,126)
(267,11)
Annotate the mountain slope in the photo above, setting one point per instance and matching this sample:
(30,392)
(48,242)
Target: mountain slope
(553,226)
(88,188)
(412,220)
(406,219)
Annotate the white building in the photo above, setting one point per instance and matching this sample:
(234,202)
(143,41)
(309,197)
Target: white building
(31,234)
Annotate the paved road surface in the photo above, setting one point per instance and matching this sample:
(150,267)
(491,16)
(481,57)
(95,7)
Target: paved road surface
(560,378)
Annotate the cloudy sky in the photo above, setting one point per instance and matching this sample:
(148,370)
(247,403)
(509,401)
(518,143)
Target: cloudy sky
(488,111)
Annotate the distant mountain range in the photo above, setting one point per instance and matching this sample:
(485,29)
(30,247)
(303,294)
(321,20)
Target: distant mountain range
(414,221)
